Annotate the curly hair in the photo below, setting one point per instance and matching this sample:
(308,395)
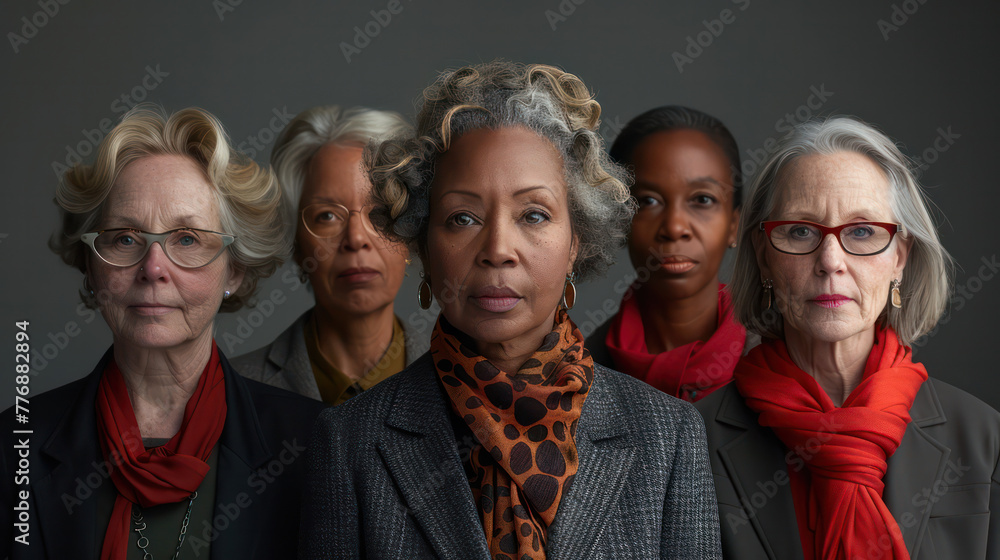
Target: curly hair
(554,104)
(249,198)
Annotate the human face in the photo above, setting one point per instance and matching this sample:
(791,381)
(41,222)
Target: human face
(156,303)
(686,218)
(830,295)
(357,272)
(500,242)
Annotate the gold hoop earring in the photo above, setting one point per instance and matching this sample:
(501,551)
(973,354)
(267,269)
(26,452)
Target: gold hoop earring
(897,299)
(424,295)
(569,292)
(768,286)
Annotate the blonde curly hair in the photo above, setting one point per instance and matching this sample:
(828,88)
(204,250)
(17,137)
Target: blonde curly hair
(249,199)
(554,104)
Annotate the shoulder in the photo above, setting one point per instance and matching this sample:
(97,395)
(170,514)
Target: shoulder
(268,359)
(625,400)
(961,410)
(415,386)
(278,411)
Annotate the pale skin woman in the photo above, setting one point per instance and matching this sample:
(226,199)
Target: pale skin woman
(160,314)
(355,276)
(831,300)
(499,241)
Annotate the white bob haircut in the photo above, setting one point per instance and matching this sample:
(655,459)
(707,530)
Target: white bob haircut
(314,128)
(926,281)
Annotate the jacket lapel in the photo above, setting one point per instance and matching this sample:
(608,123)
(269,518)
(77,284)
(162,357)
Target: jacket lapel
(62,502)
(604,448)
(914,468)
(421,455)
(755,462)
(290,360)
(242,450)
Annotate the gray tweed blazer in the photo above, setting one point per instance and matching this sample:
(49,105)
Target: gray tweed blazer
(385,478)
(942,483)
(285,362)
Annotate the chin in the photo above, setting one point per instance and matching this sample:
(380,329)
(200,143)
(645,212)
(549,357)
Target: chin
(831,331)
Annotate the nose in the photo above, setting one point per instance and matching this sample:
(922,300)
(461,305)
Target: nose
(498,246)
(153,266)
(830,256)
(356,233)
(674,223)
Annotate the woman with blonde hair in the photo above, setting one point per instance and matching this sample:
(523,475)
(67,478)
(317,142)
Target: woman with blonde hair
(169,226)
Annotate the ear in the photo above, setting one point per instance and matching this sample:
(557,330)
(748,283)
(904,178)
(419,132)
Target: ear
(734,226)
(760,244)
(902,250)
(574,250)
(234,278)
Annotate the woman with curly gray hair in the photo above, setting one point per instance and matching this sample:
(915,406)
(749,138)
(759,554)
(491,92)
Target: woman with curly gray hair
(169,226)
(506,440)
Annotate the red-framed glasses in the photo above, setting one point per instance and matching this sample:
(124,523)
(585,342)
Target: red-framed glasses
(856,238)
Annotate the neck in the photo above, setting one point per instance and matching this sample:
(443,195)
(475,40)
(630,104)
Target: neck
(354,344)
(510,355)
(837,366)
(671,323)
(161,381)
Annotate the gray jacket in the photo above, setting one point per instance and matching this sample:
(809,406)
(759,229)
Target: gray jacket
(942,483)
(386,479)
(285,362)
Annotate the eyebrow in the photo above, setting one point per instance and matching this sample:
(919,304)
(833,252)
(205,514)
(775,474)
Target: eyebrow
(130,222)
(519,192)
(707,179)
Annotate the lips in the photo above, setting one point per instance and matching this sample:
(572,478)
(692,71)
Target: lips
(677,264)
(495,299)
(830,301)
(151,308)
(359,274)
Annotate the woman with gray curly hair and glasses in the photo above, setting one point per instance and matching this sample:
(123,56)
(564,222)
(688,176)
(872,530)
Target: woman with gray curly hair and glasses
(506,440)
(181,455)
(833,442)
(351,339)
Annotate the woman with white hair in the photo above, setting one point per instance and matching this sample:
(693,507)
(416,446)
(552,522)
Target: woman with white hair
(833,442)
(351,339)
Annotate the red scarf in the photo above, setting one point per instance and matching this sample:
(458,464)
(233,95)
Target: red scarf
(161,475)
(690,372)
(838,498)
(525,424)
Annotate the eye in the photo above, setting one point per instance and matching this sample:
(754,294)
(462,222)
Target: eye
(800,232)
(704,200)
(535,216)
(861,232)
(462,219)
(647,201)
(125,240)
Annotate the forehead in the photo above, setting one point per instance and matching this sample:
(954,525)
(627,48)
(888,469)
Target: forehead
(162,191)
(681,150)
(833,189)
(335,174)
(499,162)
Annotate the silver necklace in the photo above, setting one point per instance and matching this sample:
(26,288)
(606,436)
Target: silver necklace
(139,526)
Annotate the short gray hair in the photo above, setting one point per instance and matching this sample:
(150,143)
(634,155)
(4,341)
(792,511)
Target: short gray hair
(926,281)
(552,103)
(314,128)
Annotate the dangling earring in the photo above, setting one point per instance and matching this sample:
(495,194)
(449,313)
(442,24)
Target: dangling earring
(732,245)
(303,277)
(768,286)
(897,300)
(86,285)
(226,295)
(424,295)
(569,292)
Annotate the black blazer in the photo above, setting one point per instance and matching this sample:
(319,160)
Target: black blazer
(265,428)
(386,480)
(942,483)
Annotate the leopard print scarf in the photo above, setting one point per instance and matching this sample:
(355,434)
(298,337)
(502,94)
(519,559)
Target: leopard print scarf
(525,426)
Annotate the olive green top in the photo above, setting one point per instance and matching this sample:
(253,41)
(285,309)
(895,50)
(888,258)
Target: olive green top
(163,522)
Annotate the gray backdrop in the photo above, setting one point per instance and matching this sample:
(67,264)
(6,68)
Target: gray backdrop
(925,71)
